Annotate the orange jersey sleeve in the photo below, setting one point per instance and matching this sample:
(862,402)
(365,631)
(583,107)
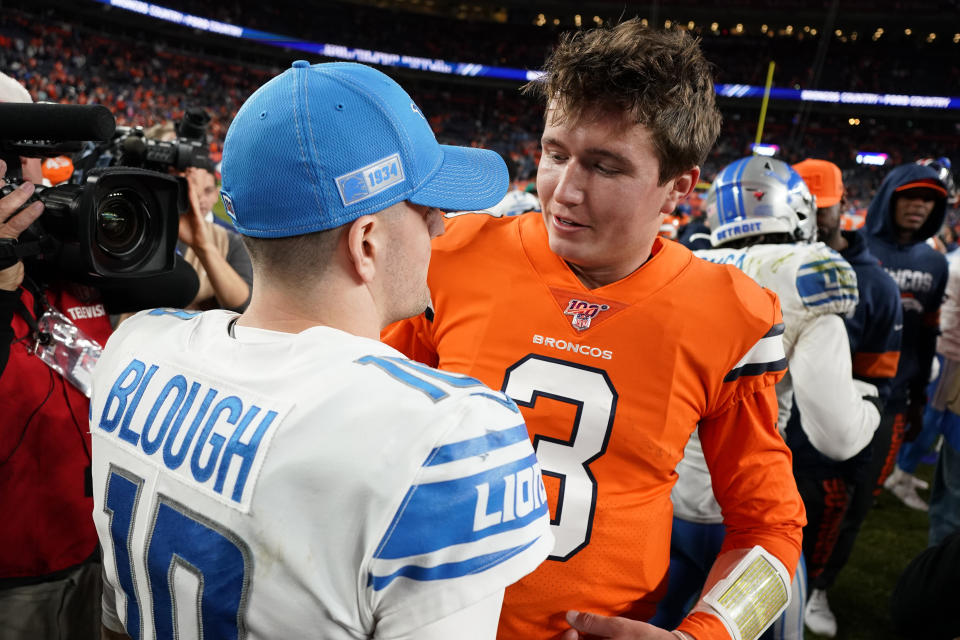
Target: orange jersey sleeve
(611,382)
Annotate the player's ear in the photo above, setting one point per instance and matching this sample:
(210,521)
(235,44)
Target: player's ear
(363,246)
(681,188)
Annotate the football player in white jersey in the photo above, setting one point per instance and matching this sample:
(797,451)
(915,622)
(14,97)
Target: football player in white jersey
(763,220)
(282,473)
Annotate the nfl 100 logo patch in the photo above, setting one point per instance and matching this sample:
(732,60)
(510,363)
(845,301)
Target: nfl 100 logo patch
(583,313)
(370,180)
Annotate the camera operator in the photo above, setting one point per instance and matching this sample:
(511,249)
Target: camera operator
(50,570)
(217,254)
(11,226)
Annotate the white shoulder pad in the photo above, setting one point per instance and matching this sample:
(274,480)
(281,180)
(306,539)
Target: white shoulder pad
(826,283)
(810,279)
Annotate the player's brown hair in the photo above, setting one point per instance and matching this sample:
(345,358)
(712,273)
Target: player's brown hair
(658,79)
(295,259)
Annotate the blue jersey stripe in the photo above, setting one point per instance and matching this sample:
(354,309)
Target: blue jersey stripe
(454,380)
(477,446)
(442,514)
(834,299)
(392,367)
(177,313)
(449,570)
(499,398)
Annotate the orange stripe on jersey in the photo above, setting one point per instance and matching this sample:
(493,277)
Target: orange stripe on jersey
(876,365)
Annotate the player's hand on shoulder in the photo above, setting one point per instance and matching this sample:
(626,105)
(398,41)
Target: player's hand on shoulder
(592,625)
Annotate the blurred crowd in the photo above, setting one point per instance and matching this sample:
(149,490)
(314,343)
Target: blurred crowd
(148,79)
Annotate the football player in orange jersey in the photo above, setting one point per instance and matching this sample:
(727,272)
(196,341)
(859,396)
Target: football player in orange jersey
(616,345)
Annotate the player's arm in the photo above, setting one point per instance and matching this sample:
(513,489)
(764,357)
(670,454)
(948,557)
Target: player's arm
(751,470)
(753,481)
(925,348)
(475,622)
(879,322)
(838,413)
(413,338)
(473,521)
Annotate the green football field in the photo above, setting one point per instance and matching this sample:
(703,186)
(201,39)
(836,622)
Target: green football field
(891,536)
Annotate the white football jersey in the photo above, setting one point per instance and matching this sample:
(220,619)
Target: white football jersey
(816,286)
(319,484)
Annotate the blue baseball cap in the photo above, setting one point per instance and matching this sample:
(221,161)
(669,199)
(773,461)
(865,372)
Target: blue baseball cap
(320,145)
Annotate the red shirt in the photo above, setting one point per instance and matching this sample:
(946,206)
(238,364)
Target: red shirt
(44,450)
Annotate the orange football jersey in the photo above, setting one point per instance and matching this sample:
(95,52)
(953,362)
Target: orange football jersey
(612,381)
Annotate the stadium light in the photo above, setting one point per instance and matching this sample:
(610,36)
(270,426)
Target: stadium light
(768,150)
(872,158)
(472,69)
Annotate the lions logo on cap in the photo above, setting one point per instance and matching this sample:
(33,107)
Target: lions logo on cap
(228,206)
(583,313)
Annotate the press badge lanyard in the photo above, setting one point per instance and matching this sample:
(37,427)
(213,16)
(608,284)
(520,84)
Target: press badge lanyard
(59,343)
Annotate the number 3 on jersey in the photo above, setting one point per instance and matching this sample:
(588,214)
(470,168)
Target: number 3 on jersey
(592,393)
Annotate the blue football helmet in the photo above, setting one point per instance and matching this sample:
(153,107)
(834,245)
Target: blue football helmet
(756,196)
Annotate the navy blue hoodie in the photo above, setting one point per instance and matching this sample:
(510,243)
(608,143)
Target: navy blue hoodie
(876,325)
(919,271)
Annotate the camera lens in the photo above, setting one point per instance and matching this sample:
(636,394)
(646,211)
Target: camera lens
(122,221)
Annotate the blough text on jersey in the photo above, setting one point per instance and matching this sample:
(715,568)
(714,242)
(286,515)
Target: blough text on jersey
(213,437)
